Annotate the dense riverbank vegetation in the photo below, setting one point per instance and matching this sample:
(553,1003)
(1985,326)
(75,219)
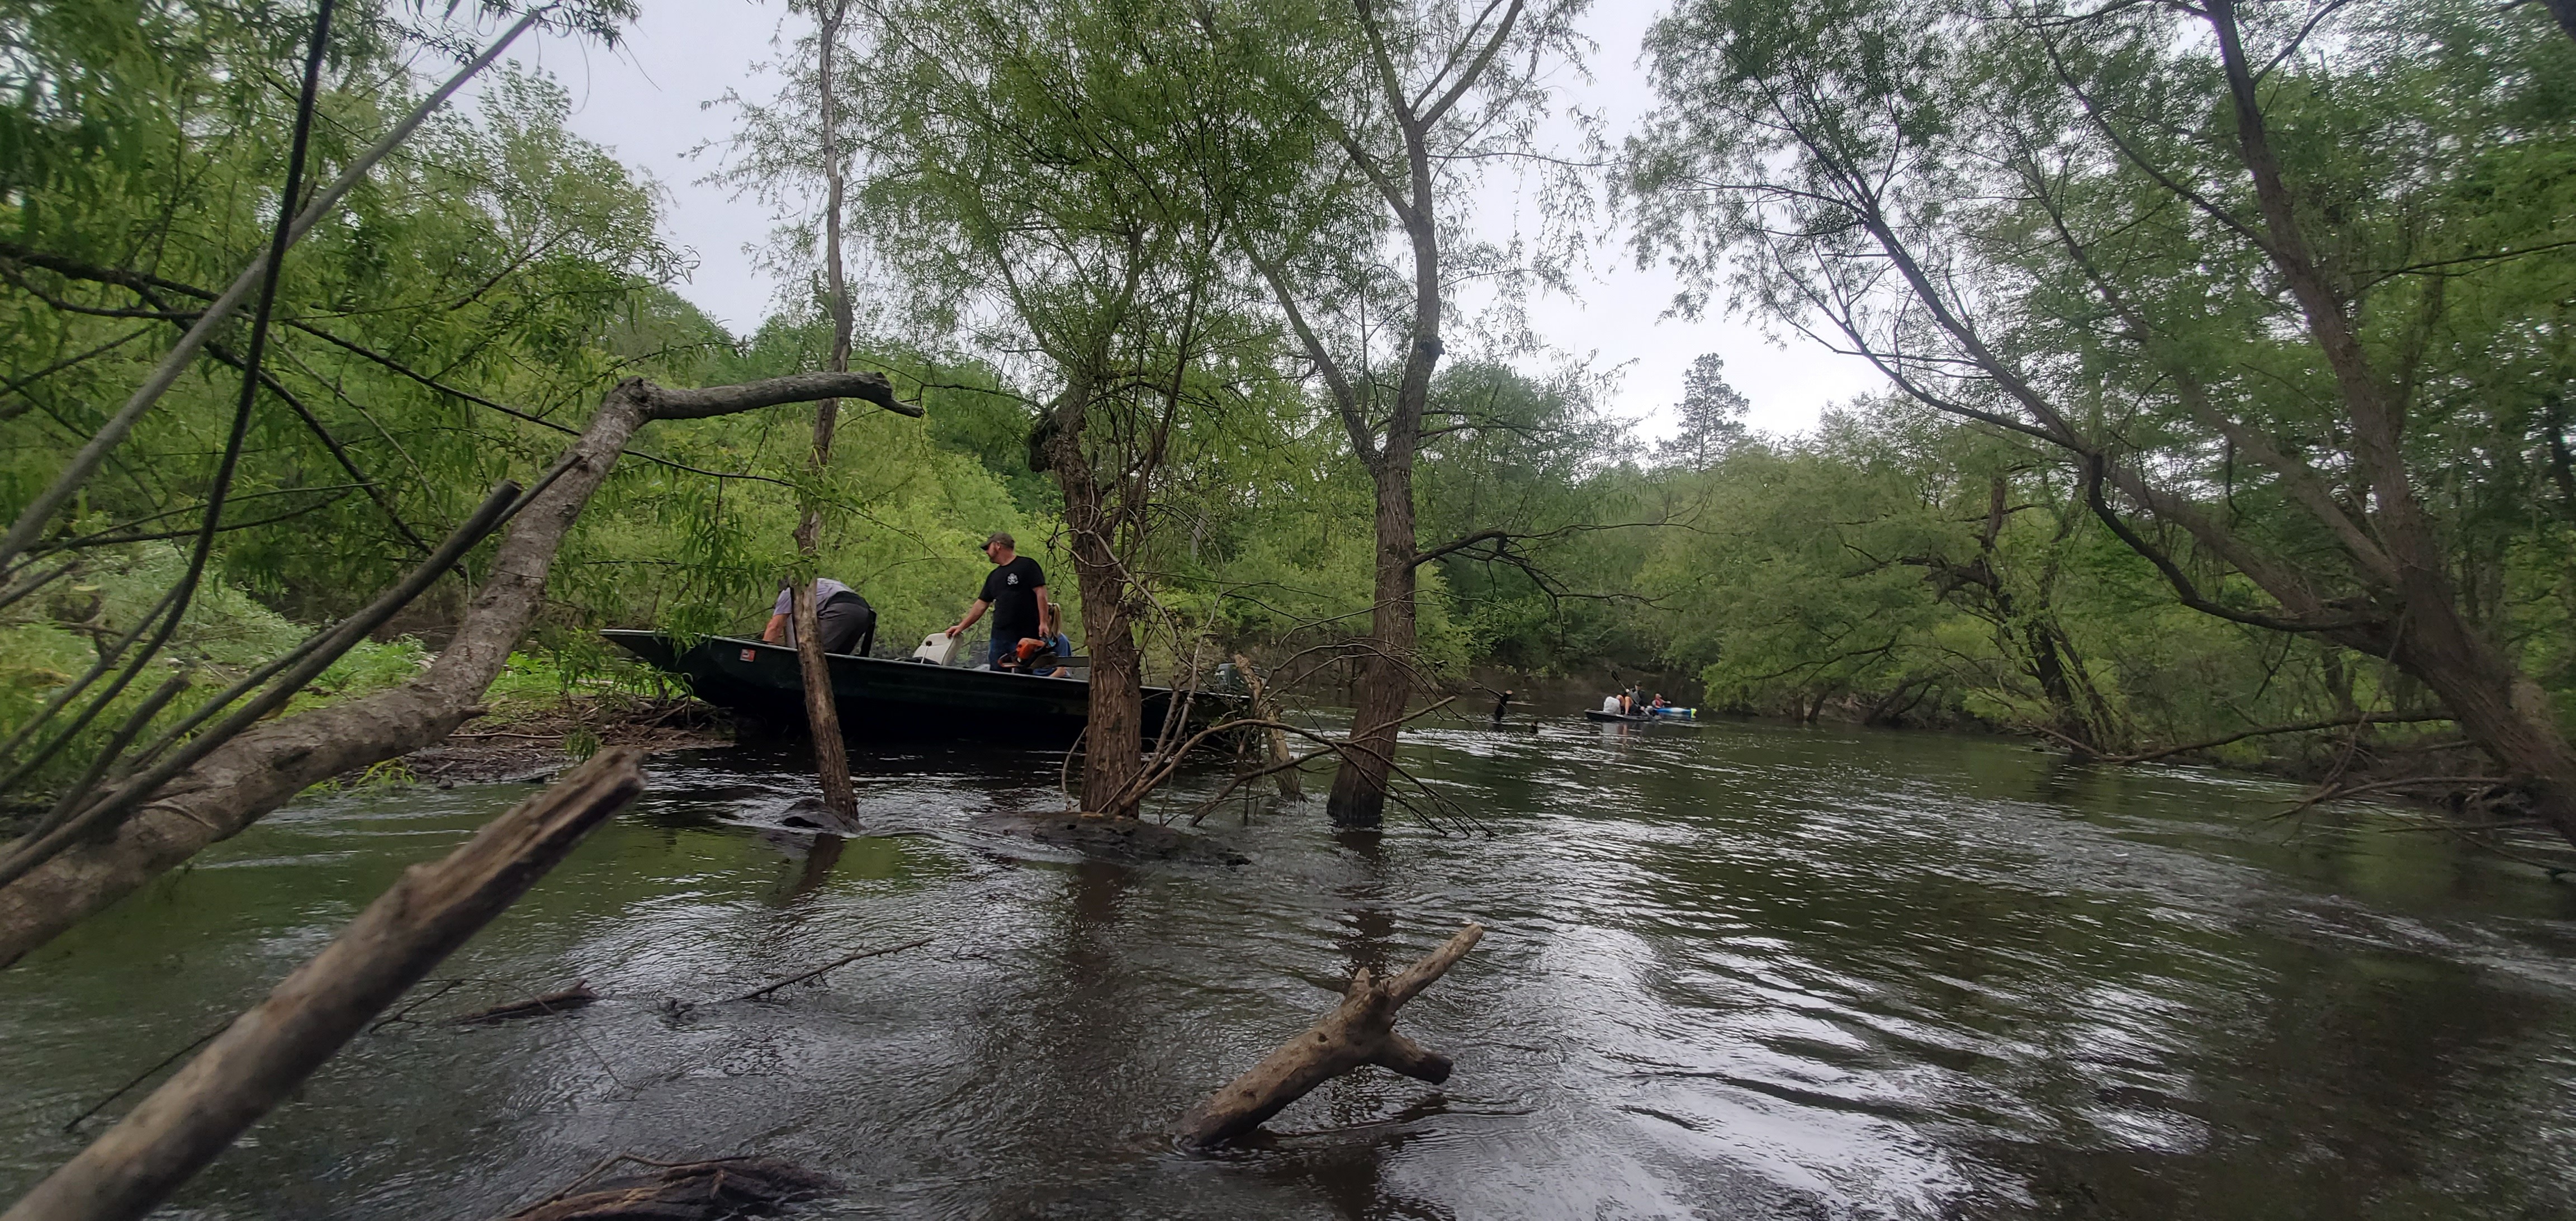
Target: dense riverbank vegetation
(2228,356)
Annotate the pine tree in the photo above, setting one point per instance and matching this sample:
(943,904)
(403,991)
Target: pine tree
(1712,416)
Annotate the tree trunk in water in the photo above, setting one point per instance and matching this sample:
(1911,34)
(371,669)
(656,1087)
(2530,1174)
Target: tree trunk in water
(2505,713)
(822,717)
(268,765)
(1360,1031)
(1113,745)
(270,1050)
(1385,679)
(2048,664)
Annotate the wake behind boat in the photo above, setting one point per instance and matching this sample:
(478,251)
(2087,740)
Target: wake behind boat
(880,698)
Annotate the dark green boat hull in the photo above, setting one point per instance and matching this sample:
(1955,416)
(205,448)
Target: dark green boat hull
(882,699)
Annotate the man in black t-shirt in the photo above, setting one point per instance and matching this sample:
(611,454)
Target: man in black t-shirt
(1015,591)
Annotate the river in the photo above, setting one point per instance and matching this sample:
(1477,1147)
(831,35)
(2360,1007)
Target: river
(1734,970)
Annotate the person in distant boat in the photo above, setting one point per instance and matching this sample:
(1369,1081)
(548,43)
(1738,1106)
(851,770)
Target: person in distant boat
(849,624)
(1659,705)
(1502,704)
(1615,705)
(1015,591)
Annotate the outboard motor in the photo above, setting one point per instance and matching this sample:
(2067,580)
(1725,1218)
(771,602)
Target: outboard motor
(937,648)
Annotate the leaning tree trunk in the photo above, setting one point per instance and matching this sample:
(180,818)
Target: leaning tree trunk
(268,765)
(2495,705)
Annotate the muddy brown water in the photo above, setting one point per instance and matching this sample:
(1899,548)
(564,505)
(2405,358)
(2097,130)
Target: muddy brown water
(1734,970)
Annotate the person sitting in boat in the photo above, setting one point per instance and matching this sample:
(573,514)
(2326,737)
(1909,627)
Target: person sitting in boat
(1035,656)
(1047,661)
(1015,591)
(1659,705)
(849,624)
(1615,705)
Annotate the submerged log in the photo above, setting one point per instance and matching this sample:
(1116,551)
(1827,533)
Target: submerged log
(1361,1031)
(574,997)
(681,1191)
(264,1054)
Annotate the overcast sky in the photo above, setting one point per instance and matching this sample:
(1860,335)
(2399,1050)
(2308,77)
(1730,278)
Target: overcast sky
(646,100)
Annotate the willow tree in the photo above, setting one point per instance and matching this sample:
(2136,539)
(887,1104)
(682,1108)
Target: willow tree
(510,241)
(145,153)
(1056,182)
(1417,97)
(2284,286)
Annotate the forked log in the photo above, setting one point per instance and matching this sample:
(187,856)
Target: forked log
(1360,1031)
(253,1064)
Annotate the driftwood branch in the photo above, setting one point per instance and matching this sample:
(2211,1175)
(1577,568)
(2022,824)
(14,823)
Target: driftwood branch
(253,1065)
(1360,1031)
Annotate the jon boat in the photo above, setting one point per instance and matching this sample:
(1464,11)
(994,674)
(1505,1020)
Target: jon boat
(1666,713)
(880,698)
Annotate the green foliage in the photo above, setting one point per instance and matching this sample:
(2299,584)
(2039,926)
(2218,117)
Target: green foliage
(1065,193)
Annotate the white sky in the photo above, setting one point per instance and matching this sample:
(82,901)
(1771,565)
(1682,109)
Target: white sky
(646,101)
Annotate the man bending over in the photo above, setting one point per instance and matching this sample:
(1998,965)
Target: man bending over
(1016,593)
(846,618)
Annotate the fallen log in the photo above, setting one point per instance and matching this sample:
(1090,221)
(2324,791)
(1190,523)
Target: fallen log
(264,1054)
(1360,1031)
(681,1191)
(574,997)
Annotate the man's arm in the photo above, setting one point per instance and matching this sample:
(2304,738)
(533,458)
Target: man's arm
(776,631)
(973,613)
